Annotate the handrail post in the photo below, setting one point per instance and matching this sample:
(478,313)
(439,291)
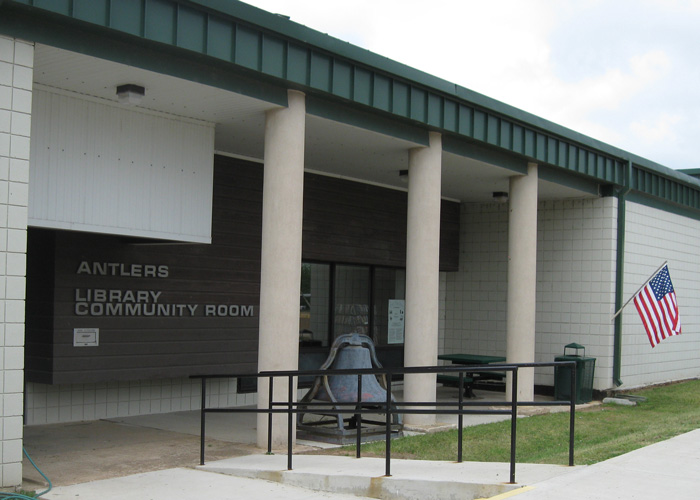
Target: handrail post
(203,421)
(358,417)
(460,418)
(290,436)
(387,468)
(572,413)
(513,423)
(269,414)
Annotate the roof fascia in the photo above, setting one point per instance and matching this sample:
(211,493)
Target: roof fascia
(262,61)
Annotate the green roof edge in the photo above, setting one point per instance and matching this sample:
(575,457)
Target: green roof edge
(281,24)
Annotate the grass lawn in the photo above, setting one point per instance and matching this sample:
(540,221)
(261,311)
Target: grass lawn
(601,432)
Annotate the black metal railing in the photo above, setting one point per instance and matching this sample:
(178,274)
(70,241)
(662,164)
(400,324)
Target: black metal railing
(290,407)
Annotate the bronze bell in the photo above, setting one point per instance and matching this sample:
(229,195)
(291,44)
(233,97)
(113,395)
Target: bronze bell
(350,351)
(344,387)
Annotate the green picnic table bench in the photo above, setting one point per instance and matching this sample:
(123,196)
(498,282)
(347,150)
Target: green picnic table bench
(473,375)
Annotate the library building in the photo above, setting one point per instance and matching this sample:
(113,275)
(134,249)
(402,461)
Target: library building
(197,187)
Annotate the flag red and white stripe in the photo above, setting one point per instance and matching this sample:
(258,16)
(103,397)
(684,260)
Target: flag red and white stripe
(657,306)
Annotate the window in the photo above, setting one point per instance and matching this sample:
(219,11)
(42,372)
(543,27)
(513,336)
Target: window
(337,299)
(351,298)
(314,310)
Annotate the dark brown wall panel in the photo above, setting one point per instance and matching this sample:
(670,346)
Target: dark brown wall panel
(162,326)
(356,223)
(133,344)
(449,236)
(39,307)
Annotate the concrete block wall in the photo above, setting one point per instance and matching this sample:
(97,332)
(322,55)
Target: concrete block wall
(475,296)
(50,404)
(576,266)
(575,282)
(16,75)
(652,237)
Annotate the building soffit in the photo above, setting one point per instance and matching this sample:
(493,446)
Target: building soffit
(237,47)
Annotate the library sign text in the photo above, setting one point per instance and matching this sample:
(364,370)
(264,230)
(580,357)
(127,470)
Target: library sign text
(130,302)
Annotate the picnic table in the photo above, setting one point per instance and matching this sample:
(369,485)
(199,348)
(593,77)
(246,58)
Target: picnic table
(472,375)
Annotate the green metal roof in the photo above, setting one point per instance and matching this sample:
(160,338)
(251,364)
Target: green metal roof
(693,172)
(240,47)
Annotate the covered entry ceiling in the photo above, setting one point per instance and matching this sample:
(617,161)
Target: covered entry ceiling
(333,148)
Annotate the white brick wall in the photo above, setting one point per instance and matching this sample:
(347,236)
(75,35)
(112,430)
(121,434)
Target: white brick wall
(49,404)
(475,296)
(16,73)
(577,242)
(575,283)
(654,236)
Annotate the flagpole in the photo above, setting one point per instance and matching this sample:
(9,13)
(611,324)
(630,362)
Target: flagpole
(635,293)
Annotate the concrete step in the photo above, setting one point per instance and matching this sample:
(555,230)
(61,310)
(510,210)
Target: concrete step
(409,480)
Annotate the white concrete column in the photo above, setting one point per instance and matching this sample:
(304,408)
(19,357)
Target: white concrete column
(522,277)
(283,192)
(16,76)
(422,272)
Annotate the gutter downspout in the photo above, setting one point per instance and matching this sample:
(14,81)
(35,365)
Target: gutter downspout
(620,271)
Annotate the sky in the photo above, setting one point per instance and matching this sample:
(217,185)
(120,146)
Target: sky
(625,72)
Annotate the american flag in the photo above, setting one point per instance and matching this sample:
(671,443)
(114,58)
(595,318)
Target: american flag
(658,308)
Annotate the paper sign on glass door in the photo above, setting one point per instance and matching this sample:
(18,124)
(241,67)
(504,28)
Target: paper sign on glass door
(396,321)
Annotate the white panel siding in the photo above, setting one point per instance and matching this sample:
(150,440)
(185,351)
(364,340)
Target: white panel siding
(106,168)
(654,236)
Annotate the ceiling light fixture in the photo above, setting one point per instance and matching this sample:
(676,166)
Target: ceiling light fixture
(130,94)
(500,197)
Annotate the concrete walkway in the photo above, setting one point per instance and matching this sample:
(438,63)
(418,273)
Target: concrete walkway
(670,470)
(664,470)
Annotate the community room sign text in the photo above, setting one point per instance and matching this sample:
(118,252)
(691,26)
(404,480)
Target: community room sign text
(140,302)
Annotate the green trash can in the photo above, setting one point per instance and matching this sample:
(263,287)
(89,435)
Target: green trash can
(585,367)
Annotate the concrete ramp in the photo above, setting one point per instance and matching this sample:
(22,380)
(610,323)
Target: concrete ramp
(409,480)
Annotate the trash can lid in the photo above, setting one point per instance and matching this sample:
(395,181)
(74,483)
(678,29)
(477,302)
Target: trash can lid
(575,346)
